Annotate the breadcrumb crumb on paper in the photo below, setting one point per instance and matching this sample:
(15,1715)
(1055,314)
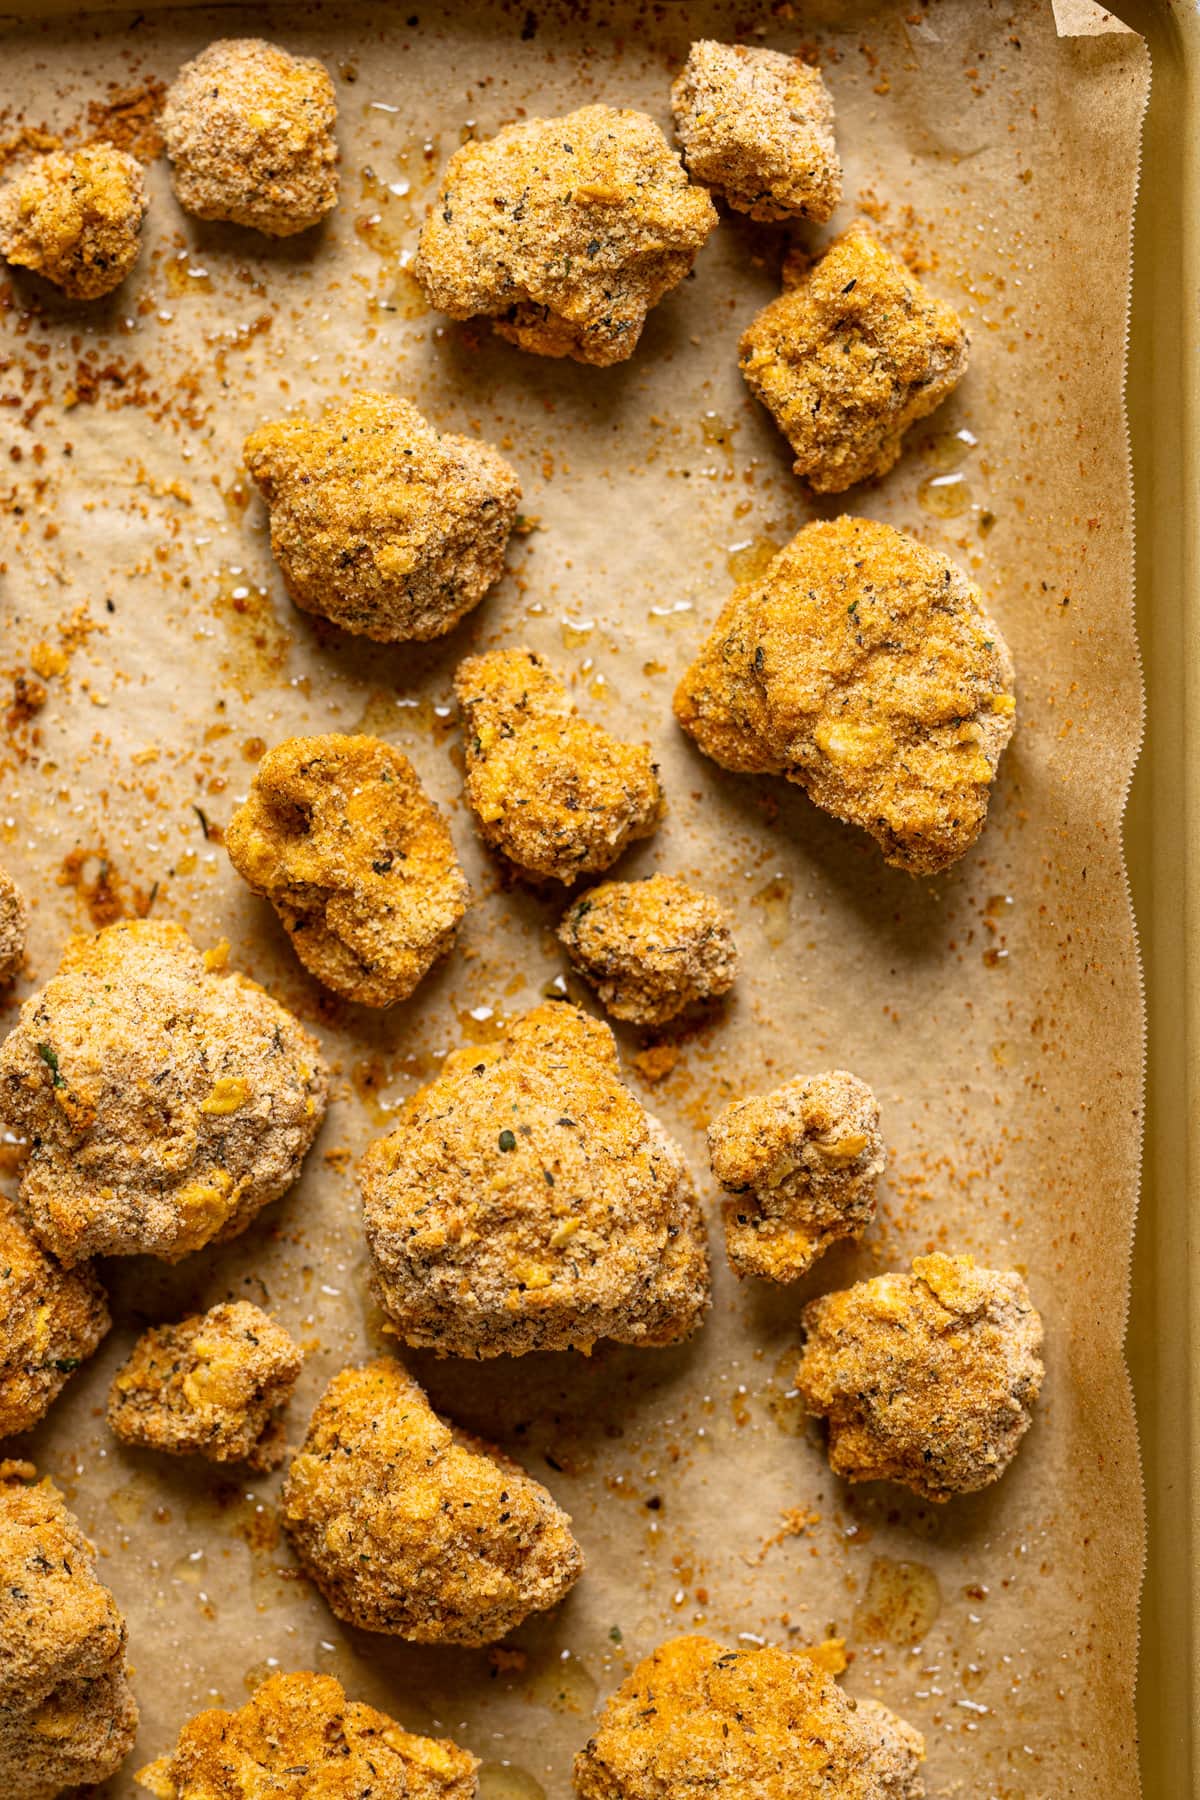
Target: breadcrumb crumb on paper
(51,1320)
(651,948)
(75,217)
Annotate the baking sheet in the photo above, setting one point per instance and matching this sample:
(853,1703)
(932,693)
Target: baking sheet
(996,1011)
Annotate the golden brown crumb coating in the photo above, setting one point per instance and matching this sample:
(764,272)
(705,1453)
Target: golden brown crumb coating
(556,795)
(757,127)
(650,948)
(213,1385)
(299,1738)
(75,216)
(527,1201)
(165,1104)
(412,1528)
(926,1379)
(847,359)
(565,232)
(764,1723)
(863,667)
(51,1320)
(14,920)
(380,523)
(249,131)
(801,1163)
(67,1712)
(355,858)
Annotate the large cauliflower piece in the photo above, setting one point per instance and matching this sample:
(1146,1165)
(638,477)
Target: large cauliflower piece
(75,217)
(51,1320)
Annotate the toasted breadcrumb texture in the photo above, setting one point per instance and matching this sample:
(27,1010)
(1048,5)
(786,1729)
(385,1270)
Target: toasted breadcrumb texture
(527,1201)
(387,527)
(553,793)
(299,1738)
(757,127)
(355,858)
(75,216)
(14,922)
(67,1712)
(926,1379)
(565,232)
(848,358)
(652,948)
(695,1717)
(249,131)
(51,1320)
(165,1104)
(411,1528)
(801,1164)
(862,666)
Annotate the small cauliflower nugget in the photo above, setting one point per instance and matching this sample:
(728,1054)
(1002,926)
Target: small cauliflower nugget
(355,858)
(650,948)
(801,1163)
(14,920)
(75,216)
(849,357)
(380,523)
(51,1320)
(926,1379)
(165,1104)
(565,232)
(412,1528)
(862,666)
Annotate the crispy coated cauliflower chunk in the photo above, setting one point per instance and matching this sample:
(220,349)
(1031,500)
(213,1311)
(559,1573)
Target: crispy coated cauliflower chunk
(249,131)
(14,920)
(51,1320)
(410,1527)
(214,1385)
(355,858)
(651,948)
(553,793)
(757,127)
(67,1713)
(75,216)
(863,667)
(848,358)
(565,232)
(380,523)
(695,1717)
(801,1164)
(165,1104)
(926,1379)
(527,1201)
(299,1738)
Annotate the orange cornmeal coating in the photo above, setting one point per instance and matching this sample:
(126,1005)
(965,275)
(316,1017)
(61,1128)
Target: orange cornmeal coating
(67,1713)
(412,1528)
(14,920)
(166,1104)
(862,666)
(380,523)
(299,1738)
(556,795)
(249,131)
(926,1379)
(213,1385)
(355,858)
(650,948)
(847,359)
(761,1724)
(802,1163)
(757,127)
(75,216)
(564,231)
(51,1320)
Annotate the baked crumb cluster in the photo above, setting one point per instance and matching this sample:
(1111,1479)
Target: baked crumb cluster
(51,1320)
(652,948)
(75,217)
(14,921)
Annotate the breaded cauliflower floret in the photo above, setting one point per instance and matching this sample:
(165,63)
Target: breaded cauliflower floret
(926,1379)
(355,858)
(165,1104)
(214,1385)
(14,920)
(863,667)
(565,232)
(380,523)
(75,216)
(650,948)
(527,1201)
(849,358)
(51,1320)
(802,1163)
(757,127)
(249,131)
(556,795)
(410,1527)
(67,1713)
(299,1738)
(695,1717)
